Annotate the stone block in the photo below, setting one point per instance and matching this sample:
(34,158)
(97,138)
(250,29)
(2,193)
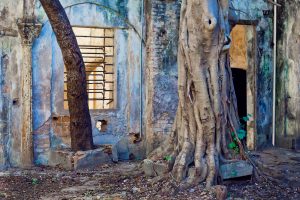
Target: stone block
(236,169)
(115,157)
(161,168)
(128,149)
(80,160)
(90,159)
(123,149)
(60,158)
(148,167)
(151,168)
(2,158)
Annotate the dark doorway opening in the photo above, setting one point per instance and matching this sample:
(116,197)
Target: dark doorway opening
(243,61)
(240,85)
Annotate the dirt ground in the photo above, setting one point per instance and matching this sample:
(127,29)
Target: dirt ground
(121,181)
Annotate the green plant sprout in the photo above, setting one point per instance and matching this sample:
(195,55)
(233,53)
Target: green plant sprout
(34,181)
(168,158)
(241,134)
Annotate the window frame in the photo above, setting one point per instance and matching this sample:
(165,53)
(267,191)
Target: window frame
(115,79)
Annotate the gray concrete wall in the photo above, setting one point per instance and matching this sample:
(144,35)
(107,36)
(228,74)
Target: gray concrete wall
(124,17)
(259,13)
(162,35)
(160,75)
(11,60)
(48,76)
(288,73)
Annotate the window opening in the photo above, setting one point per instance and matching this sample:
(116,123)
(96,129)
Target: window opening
(97,49)
(101,125)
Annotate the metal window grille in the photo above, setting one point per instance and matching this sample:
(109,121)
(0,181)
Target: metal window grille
(97,49)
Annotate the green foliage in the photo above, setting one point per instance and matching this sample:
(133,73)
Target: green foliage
(240,134)
(232,145)
(34,181)
(168,158)
(247,118)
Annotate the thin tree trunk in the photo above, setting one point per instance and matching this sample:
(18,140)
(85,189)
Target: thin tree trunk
(207,110)
(80,120)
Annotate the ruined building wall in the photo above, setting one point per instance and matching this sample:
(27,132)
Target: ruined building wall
(51,120)
(11,59)
(288,75)
(161,69)
(258,13)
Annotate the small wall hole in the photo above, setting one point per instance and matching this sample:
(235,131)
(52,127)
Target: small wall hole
(15,102)
(101,125)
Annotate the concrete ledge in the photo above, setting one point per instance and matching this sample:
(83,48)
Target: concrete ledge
(90,159)
(236,169)
(62,159)
(281,165)
(69,160)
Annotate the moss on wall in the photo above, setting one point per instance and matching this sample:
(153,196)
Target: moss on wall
(288,75)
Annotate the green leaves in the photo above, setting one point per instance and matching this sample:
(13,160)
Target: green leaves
(34,181)
(247,118)
(241,134)
(168,158)
(232,145)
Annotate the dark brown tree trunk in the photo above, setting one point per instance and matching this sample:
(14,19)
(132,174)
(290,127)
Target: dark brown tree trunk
(80,119)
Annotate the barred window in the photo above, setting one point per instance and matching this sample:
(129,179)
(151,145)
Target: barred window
(97,49)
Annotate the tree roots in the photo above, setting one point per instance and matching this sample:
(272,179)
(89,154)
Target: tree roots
(207,110)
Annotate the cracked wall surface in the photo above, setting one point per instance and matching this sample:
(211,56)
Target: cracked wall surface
(259,13)
(161,89)
(288,72)
(161,69)
(124,17)
(50,120)
(11,58)
(159,76)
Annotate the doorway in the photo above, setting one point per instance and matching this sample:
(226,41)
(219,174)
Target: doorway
(243,61)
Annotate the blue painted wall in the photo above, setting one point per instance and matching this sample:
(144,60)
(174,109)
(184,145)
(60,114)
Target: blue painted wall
(48,75)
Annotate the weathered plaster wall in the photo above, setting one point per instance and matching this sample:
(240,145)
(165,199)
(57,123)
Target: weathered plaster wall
(238,49)
(161,96)
(259,13)
(288,75)
(50,119)
(161,69)
(11,60)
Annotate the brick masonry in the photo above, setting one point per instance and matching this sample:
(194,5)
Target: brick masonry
(161,97)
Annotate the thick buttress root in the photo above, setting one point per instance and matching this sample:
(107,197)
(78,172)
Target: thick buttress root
(207,111)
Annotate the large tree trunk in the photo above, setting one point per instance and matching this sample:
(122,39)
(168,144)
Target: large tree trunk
(207,111)
(80,120)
